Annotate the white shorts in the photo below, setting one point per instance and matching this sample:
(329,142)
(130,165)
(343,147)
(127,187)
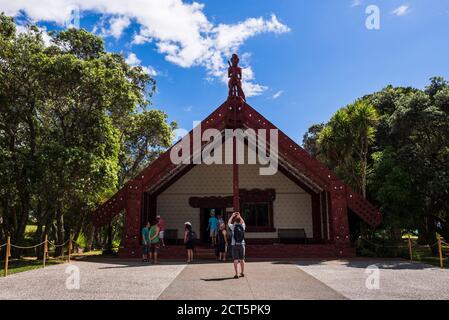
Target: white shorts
(161,234)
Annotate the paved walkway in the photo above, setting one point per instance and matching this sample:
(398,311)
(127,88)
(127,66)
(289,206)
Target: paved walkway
(116,279)
(398,279)
(263,280)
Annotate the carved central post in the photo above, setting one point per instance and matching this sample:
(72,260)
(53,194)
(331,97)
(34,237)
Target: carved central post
(236,98)
(235,167)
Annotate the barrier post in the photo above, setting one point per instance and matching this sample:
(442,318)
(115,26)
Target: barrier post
(410,248)
(45,249)
(70,245)
(440,251)
(8,254)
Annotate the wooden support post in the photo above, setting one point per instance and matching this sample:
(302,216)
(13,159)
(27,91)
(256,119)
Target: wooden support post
(235,167)
(8,254)
(45,249)
(410,248)
(70,245)
(440,251)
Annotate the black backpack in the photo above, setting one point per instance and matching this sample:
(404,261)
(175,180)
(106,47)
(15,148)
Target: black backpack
(192,236)
(239,233)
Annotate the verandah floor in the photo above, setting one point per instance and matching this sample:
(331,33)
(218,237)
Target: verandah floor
(259,251)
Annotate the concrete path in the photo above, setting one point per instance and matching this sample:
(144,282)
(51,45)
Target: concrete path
(398,279)
(115,279)
(263,280)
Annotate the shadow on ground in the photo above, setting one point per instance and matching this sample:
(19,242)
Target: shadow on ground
(381,263)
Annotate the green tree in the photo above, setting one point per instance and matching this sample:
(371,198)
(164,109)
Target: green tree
(70,114)
(399,139)
(345,142)
(310,139)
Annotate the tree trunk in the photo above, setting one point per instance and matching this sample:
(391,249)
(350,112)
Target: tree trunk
(427,233)
(60,232)
(396,234)
(90,234)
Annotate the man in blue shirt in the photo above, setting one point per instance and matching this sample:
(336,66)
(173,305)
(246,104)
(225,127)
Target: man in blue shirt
(213,228)
(145,242)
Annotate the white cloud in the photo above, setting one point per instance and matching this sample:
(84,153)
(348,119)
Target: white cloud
(356,3)
(180,31)
(45,36)
(150,70)
(118,25)
(277,94)
(401,11)
(134,61)
(188,109)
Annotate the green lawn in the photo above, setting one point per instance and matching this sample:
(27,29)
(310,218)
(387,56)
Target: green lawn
(26,264)
(389,249)
(422,254)
(31,263)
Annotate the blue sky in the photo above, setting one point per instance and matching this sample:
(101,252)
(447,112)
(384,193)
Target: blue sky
(306,58)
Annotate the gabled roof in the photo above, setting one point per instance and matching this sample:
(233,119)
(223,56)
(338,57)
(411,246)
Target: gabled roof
(291,156)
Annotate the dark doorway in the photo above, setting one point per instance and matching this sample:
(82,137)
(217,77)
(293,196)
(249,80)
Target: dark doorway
(204,222)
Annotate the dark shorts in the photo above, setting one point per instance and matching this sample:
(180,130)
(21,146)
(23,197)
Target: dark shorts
(145,248)
(154,247)
(190,245)
(238,252)
(221,247)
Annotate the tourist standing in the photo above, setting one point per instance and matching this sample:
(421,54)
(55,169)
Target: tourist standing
(161,224)
(237,227)
(189,241)
(222,242)
(145,242)
(220,219)
(154,242)
(213,228)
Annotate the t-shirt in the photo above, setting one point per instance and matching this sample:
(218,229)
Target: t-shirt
(153,233)
(213,223)
(231,227)
(161,224)
(145,235)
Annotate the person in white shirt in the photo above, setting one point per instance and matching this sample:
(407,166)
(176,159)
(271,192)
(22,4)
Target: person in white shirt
(237,226)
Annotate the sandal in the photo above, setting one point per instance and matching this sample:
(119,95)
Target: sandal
(236,277)
(242,275)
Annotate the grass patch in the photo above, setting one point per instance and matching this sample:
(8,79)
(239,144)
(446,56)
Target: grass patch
(389,249)
(31,263)
(27,264)
(422,254)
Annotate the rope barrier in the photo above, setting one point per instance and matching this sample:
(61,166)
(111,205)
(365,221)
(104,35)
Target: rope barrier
(59,245)
(381,245)
(37,245)
(397,246)
(30,247)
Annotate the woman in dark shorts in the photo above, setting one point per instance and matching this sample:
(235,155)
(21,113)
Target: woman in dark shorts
(222,242)
(189,241)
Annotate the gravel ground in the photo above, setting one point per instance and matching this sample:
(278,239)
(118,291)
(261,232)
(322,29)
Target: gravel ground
(398,279)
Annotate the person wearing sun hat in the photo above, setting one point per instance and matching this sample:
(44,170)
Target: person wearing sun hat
(189,240)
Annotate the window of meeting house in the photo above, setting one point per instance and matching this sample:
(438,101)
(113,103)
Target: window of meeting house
(257,216)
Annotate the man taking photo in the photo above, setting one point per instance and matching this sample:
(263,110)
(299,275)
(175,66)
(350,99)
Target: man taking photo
(237,226)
